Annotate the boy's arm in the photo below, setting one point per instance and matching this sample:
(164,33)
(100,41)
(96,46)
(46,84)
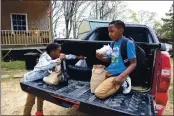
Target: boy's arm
(103,57)
(119,79)
(71,56)
(132,58)
(48,65)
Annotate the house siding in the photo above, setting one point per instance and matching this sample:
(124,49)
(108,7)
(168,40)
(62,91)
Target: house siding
(35,10)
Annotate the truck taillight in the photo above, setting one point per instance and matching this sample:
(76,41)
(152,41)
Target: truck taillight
(165,78)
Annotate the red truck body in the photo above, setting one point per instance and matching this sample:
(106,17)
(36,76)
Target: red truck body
(163,70)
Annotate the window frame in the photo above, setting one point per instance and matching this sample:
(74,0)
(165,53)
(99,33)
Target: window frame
(26,19)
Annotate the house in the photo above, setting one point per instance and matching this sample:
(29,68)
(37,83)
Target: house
(24,22)
(89,24)
(24,26)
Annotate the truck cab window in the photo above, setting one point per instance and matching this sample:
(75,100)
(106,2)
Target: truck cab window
(93,36)
(139,34)
(103,34)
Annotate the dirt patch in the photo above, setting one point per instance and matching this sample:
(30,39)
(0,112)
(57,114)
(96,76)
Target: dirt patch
(13,100)
(169,109)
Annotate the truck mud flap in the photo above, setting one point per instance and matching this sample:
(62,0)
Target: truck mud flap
(77,94)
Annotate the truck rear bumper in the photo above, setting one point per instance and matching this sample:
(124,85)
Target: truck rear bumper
(161,102)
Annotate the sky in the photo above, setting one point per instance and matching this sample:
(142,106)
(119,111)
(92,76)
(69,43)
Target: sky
(160,7)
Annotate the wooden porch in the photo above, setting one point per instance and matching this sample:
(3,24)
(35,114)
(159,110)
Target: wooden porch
(26,38)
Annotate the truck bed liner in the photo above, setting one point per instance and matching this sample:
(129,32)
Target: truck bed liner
(135,103)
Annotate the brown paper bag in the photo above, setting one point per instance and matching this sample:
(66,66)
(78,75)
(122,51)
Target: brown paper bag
(98,76)
(55,77)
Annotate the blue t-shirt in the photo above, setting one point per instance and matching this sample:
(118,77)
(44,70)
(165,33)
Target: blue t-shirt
(117,66)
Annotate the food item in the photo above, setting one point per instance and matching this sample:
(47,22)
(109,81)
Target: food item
(106,49)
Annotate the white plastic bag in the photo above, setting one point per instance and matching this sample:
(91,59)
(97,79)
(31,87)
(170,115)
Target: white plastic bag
(106,49)
(81,63)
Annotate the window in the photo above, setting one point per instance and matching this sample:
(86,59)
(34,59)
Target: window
(139,34)
(93,36)
(19,21)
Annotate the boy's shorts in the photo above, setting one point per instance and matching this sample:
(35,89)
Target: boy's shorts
(107,88)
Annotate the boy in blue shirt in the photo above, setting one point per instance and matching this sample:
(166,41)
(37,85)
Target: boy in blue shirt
(117,71)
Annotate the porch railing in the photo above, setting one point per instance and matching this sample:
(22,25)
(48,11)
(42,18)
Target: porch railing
(30,37)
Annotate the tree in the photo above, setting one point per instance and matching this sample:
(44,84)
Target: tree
(72,13)
(100,10)
(168,24)
(69,9)
(143,17)
(57,13)
(165,29)
(78,17)
(157,28)
(108,10)
(119,10)
(134,16)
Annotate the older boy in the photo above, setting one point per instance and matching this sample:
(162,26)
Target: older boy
(117,71)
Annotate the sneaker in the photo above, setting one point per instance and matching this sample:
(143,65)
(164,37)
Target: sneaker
(127,85)
(38,113)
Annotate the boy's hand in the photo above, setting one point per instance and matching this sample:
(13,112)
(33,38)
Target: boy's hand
(56,60)
(62,56)
(80,57)
(117,80)
(99,56)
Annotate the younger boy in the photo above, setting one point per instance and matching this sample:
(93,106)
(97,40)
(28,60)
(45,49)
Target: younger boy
(117,71)
(47,62)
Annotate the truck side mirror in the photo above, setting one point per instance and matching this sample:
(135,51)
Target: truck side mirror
(163,47)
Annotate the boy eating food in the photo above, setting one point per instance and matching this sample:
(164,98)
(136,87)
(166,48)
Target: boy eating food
(117,72)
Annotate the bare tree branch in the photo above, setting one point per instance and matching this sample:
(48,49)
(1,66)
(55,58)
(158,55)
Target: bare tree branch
(109,10)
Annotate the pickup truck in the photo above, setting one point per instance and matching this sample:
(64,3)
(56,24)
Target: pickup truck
(150,83)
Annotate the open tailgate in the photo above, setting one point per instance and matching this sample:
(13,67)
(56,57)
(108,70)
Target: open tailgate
(77,93)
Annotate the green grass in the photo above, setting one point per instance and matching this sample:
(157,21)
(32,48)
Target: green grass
(10,79)
(171,60)
(171,95)
(16,65)
(12,72)
(12,68)
(171,87)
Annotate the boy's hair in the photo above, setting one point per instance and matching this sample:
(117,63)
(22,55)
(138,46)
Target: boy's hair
(51,47)
(118,23)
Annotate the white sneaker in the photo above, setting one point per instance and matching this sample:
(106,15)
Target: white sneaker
(127,85)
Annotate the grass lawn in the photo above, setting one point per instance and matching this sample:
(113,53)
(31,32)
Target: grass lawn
(16,65)
(171,61)
(171,85)
(171,94)
(11,68)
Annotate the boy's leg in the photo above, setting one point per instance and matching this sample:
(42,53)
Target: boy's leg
(106,88)
(40,104)
(29,104)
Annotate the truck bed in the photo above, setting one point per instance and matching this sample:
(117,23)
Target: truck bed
(135,103)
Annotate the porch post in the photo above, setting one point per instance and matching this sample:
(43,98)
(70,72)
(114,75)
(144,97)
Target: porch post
(50,28)
(50,22)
